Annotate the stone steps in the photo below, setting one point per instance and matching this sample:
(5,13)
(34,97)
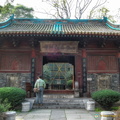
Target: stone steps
(61,102)
(64,103)
(57,106)
(60,106)
(58,96)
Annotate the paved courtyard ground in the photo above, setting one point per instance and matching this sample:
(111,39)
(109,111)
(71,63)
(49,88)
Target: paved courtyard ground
(58,114)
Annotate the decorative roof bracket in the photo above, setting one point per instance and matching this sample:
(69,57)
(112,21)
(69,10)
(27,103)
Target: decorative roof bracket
(117,43)
(33,42)
(15,42)
(82,43)
(102,43)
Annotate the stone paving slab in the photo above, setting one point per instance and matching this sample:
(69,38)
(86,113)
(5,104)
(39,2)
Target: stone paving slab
(56,114)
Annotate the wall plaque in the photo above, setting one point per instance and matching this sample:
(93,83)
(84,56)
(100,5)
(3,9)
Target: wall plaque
(59,46)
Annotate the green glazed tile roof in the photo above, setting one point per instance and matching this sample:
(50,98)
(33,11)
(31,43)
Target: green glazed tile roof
(57,26)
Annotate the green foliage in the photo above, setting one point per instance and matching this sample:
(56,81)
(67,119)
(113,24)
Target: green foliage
(69,75)
(115,108)
(4,105)
(14,95)
(69,84)
(98,109)
(100,13)
(52,71)
(106,98)
(19,11)
(47,73)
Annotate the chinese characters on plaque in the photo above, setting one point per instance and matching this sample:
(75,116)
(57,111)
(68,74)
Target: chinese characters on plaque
(59,46)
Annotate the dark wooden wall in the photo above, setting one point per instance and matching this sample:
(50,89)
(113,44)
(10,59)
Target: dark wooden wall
(15,62)
(102,62)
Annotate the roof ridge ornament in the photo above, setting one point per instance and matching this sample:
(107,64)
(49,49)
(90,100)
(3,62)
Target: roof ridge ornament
(105,19)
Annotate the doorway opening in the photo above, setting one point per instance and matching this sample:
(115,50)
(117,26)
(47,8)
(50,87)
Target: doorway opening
(58,72)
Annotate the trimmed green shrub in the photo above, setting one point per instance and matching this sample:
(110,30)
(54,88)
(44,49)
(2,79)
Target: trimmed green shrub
(106,98)
(14,95)
(69,84)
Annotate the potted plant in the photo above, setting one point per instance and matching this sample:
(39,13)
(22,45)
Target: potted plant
(4,107)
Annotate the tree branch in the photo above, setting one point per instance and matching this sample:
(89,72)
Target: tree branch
(98,3)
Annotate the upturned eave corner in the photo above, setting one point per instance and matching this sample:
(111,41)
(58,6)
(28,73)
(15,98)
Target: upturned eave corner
(111,24)
(7,22)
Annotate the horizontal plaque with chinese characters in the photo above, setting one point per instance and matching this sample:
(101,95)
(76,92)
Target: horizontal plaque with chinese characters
(59,46)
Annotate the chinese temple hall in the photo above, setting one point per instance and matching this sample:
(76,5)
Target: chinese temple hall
(87,49)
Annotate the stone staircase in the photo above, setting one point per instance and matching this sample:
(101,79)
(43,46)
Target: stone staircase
(62,102)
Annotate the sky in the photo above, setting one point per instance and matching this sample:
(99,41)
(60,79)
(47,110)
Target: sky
(40,5)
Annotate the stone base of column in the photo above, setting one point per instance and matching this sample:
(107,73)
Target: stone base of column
(107,115)
(85,94)
(76,93)
(26,106)
(10,115)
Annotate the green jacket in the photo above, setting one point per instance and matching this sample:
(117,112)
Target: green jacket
(40,83)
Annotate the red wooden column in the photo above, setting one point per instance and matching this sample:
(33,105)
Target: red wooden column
(77,82)
(39,64)
(78,70)
(84,71)
(119,68)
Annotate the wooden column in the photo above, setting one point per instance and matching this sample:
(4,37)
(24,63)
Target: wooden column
(78,70)
(84,71)
(119,69)
(77,82)
(33,61)
(39,66)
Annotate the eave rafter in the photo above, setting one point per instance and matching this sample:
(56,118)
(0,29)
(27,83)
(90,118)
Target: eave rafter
(36,34)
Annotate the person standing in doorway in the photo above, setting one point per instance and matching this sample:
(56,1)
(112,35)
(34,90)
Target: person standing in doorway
(40,83)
